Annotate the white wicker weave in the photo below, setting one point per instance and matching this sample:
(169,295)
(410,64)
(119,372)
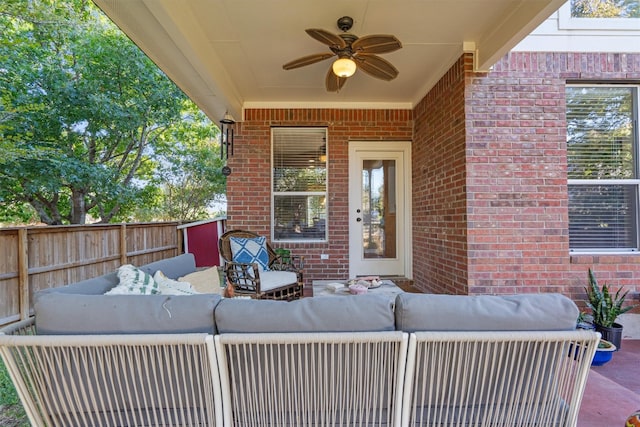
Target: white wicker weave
(300,379)
(496,378)
(312,379)
(114,380)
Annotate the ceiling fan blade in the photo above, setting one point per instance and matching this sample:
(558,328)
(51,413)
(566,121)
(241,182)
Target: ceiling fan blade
(376,66)
(376,43)
(307,60)
(333,82)
(327,38)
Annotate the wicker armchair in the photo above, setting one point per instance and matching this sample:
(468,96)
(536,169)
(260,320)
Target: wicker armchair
(283,281)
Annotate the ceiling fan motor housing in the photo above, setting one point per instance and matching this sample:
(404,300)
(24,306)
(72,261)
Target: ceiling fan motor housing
(345,23)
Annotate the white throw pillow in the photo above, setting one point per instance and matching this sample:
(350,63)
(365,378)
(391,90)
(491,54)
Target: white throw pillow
(134,281)
(169,286)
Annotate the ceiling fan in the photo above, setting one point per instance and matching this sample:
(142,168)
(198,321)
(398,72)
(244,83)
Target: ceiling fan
(353,53)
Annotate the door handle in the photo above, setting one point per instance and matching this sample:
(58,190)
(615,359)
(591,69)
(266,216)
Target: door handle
(358,219)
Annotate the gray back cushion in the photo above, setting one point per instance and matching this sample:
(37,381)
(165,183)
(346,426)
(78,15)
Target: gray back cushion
(96,286)
(72,314)
(173,268)
(527,312)
(320,314)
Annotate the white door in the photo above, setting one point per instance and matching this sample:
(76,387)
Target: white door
(379,208)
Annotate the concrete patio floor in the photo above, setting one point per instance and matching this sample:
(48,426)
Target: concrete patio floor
(613,390)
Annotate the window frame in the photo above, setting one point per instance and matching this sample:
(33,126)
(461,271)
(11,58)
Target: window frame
(324,193)
(568,22)
(635,99)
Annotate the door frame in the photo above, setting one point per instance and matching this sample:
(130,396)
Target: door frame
(403,147)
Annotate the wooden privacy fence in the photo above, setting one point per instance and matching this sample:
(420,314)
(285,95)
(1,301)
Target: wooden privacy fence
(35,258)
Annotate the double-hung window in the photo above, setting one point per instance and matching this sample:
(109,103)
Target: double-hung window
(299,184)
(603,178)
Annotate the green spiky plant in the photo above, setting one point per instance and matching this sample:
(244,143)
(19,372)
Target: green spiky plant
(604,306)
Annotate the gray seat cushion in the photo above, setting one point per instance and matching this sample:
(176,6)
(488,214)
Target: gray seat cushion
(363,313)
(526,312)
(73,314)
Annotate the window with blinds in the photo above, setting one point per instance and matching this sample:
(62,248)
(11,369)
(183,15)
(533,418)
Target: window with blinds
(299,183)
(602,155)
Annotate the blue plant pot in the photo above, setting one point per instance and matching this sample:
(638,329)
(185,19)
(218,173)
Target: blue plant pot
(601,357)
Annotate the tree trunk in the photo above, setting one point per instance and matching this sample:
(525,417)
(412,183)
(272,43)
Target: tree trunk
(48,212)
(78,207)
(106,217)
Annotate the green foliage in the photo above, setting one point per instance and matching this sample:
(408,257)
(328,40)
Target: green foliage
(11,410)
(604,306)
(605,8)
(8,395)
(86,119)
(604,344)
(16,214)
(189,176)
(584,317)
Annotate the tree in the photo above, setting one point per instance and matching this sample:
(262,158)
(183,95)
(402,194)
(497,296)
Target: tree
(189,175)
(605,8)
(85,117)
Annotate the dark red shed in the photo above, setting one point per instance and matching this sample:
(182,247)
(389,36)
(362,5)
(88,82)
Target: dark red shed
(201,239)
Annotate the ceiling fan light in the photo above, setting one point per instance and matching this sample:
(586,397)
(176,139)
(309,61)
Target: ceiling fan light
(344,67)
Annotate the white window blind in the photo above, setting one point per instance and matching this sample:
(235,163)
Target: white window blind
(602,167)
(299,183)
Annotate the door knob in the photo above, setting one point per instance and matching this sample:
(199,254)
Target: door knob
(358,219)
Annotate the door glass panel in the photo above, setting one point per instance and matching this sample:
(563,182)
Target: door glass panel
(379,208)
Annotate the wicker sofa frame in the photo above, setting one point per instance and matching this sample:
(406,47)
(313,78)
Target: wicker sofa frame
(282,379)
(162,360)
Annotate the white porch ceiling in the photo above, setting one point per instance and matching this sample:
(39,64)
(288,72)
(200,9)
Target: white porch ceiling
(227,55)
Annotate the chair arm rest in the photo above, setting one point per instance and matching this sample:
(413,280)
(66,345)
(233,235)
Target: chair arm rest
(238,270)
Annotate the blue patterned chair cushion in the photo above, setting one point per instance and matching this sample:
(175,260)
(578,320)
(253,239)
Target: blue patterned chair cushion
(250,250)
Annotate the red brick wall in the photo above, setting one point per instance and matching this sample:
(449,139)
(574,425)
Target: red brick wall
(439,186)
(249,204)
(489,177)
(517,172)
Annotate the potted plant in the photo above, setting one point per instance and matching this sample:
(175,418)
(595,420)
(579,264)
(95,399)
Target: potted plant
(605,308)
(585,321)
(604,353)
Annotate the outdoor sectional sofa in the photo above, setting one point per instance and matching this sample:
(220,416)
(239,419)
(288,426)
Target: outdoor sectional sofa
(354,360)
